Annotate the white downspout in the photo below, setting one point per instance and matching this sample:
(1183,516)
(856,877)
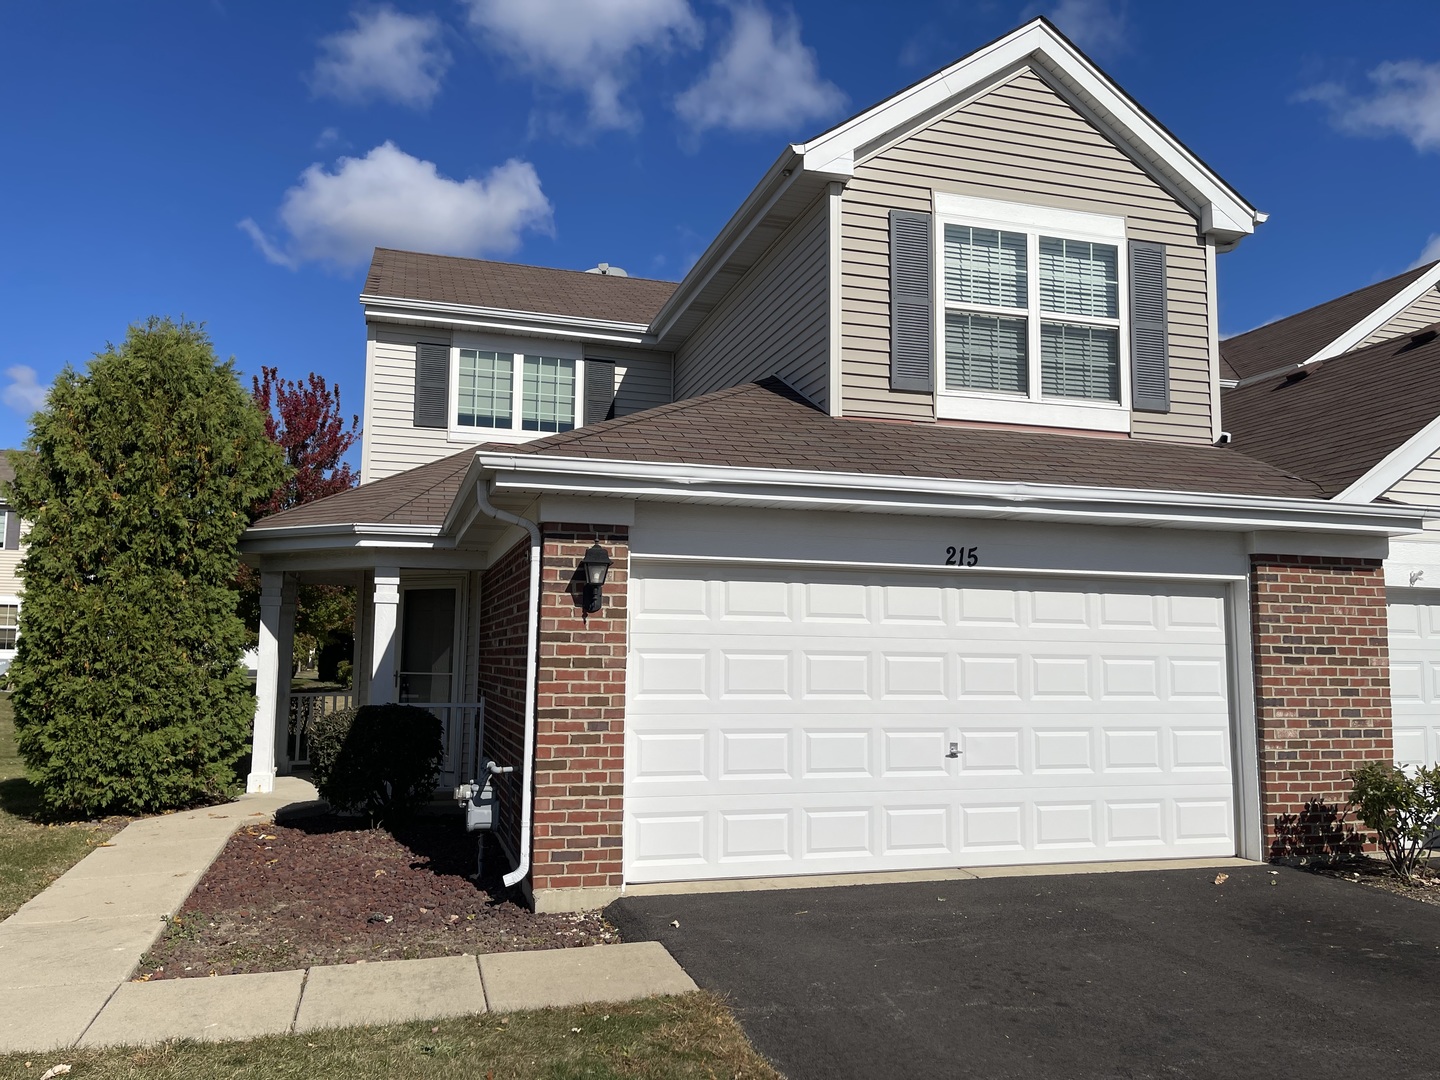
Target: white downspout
(482,500)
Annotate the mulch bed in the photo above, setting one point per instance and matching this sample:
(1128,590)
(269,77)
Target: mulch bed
(328,890)
(1376,874)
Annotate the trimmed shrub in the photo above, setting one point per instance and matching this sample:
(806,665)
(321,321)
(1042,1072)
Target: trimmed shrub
(1401,807)
(383,760)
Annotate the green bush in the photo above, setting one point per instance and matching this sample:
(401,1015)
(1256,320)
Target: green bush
(137,479)
(383,760)
(1400,807)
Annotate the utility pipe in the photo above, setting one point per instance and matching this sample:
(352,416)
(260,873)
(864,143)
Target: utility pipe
(482,500)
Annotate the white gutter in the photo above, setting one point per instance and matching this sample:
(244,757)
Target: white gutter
(540,318)
(810,489)
(482,499)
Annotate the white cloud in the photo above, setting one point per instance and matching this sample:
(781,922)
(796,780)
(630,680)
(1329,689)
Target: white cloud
(389,199)
(1404,100)
(764,79)
(387,56)
(1430,253)
(23,392)
(1097,26)
(589,47)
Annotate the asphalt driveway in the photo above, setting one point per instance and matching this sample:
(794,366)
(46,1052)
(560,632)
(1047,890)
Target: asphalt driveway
(1152,974)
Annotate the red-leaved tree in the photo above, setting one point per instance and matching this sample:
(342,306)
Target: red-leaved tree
(305,420)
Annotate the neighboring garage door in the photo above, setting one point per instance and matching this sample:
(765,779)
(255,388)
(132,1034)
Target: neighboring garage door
(1414,671)
(791,723)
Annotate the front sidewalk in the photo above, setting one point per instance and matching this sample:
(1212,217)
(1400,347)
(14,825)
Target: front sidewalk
(66,956)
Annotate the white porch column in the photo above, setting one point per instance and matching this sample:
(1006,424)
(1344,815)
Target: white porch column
(285,646)
(267,684)
(385,609)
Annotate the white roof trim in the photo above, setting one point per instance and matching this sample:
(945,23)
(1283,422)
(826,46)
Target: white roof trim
(1224,214)
(403,309)
(1352,337)
(921,495)
(1379,317)
(1394,466)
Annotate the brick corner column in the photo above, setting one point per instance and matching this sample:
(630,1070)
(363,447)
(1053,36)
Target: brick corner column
(580,723)
(1322,695)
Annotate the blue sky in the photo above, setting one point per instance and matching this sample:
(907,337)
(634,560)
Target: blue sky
(235,162)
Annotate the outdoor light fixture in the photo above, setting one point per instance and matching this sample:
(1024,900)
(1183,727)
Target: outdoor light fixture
(596,566)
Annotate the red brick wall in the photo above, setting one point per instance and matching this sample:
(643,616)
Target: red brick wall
(580,715)
(1322,692)
(504,611)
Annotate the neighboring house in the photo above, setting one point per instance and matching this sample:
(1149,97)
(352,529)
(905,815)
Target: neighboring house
(11,532)
(923,551)
(1346,394)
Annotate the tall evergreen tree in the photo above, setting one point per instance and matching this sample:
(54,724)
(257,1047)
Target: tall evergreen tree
(137,480)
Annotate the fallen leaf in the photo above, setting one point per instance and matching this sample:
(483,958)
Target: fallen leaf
(675,923)
(1220,879)
(379,873)
(54,1071)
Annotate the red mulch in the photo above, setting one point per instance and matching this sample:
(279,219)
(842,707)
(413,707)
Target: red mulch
(333,891)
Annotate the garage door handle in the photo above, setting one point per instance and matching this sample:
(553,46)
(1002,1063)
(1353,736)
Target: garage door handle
(954,750)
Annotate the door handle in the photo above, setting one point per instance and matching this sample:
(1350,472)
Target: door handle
(954,750)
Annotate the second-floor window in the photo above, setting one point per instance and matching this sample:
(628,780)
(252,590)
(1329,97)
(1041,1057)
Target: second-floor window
(1029,313)
(512,391)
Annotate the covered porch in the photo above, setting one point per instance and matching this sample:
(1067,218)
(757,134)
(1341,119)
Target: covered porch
(412,550)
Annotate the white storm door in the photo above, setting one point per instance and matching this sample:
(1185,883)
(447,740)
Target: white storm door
(778,725)
(1415,675)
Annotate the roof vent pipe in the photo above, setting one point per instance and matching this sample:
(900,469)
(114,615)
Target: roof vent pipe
(607,270)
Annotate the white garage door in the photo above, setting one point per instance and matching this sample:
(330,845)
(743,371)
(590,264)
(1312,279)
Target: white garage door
(1415,677)
(780,726)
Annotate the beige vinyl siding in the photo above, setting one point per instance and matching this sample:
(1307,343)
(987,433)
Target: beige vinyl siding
(643,380)
(392,442)
(10,565)
(1022,143)
(1422,313)
(774,322)
(1422,486)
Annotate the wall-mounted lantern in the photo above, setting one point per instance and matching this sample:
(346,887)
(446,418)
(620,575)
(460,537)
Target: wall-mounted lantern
(596,567)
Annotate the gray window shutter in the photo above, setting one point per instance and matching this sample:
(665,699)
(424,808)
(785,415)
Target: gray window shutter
(1149,334)
(599,390)
(432,385)
(912,303)
(12,530)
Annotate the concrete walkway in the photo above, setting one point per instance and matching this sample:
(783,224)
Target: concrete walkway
(66,956)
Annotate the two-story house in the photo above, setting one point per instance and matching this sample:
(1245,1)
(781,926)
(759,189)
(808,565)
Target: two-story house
(924,546)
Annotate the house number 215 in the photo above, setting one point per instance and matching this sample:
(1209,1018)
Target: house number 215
(962,556)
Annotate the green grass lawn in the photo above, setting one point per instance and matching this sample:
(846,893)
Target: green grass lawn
(33,852)
(687,1037)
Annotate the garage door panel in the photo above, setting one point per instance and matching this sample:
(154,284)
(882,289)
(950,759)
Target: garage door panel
(806,727)
(1415,676)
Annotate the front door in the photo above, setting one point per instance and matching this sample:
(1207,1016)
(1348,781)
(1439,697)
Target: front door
(428,674)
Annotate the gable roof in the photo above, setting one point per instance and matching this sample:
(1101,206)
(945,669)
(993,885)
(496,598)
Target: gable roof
(803,171)
(1337,420)
(419,496)
(1325,330)
(479,283)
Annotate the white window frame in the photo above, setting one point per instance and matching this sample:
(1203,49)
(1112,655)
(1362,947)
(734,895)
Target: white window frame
(1033,408)
(518,348)
(15,602)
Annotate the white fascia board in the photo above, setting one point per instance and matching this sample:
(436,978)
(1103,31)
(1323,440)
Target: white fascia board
(399,309)
(1225,214)
(757,204)
(1394,466)
(919,495)
(341,536)
(1379,317)
(1360,331)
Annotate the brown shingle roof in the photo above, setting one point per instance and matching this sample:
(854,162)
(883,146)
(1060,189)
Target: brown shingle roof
(1296,338)
(767,425)
(419,496)
(1337,421)
(478,283)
